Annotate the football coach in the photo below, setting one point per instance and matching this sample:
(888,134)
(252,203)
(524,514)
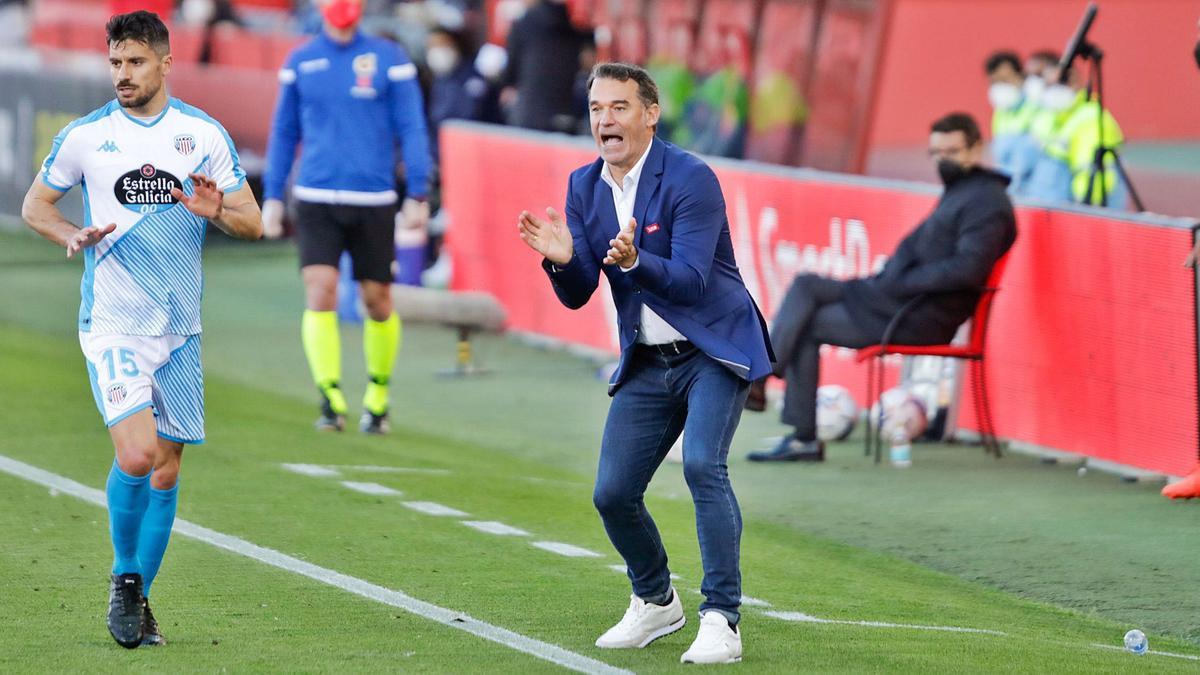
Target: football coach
(651,217)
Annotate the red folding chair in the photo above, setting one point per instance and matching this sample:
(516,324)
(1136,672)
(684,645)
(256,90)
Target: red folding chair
(972,351)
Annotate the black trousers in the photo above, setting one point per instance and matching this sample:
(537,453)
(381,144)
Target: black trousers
(812,314)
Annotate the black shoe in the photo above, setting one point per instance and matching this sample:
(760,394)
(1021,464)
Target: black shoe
(330,420)
(126,610)
(791,449)
(374,424)
(151,637)
(756,400)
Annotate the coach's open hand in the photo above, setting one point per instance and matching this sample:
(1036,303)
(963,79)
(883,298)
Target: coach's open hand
(623,252)
(550,237)
(88,236)
(205,200)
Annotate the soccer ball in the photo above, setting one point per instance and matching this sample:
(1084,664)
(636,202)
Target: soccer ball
(902,411)
(837,413)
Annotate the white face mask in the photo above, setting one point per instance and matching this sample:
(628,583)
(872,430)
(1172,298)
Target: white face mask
(1058,97)
(1034,87)
(1004,96)
(197,12)
(441,60)
(491,61)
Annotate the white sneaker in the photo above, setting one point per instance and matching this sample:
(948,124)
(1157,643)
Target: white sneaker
(644,623)
(715,643)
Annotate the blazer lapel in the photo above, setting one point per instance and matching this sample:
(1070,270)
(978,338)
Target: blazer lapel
(606,212)
(647,185)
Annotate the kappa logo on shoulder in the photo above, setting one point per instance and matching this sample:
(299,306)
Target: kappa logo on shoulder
(108,146)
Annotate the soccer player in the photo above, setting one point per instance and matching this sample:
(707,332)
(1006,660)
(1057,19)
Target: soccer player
(154,170)
(348,99)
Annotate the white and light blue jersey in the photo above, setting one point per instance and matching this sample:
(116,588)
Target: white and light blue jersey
(144,278)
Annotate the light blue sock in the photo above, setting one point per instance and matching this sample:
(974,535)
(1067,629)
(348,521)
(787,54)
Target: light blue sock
(128,497)
(156,532)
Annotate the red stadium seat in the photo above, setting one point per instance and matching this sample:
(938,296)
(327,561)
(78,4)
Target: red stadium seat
(278,46)
(238,48)
(186,44)
(725,36)
(779,84)
(666,17)
(841,92)
(973,351)
(630,38)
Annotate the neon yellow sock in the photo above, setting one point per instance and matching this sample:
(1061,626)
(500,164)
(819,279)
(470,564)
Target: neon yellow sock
(381,342)
(323,347)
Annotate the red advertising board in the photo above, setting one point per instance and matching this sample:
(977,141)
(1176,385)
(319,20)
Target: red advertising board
(1092,347)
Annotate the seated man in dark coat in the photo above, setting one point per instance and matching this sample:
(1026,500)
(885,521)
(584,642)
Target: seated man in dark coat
(946,260)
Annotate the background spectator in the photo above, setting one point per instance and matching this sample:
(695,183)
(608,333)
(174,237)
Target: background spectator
(544,50)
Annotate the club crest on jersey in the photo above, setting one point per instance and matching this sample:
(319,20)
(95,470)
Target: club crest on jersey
(365,66)
(146,189)
(116,394)
(185,144)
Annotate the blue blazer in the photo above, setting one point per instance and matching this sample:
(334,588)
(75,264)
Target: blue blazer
(686,272)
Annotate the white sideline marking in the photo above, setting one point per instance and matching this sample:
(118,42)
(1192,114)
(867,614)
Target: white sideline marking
(620,569)
(806,618)
(312,470)
(566,549)
(388,469)
(447,617)
(434,509)
(1189,657)
(493,527)
(372,489)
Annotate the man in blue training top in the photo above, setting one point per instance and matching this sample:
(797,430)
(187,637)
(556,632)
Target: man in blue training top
(348,99)
(154,171)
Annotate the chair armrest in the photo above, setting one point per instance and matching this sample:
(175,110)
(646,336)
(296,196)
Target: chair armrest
(897,318)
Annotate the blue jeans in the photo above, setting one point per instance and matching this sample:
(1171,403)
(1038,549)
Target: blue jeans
(662,396)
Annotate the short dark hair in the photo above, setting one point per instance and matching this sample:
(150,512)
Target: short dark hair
(140,26)
(958,121)
(624,72)
(1048,55)
(1000,58)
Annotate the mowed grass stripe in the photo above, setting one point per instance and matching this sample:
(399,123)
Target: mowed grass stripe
(399,599)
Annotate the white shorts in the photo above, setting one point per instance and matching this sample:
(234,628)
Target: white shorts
(130,373)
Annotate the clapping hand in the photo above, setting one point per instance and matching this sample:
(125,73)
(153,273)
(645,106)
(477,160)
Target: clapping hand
(623,252)
(551,238)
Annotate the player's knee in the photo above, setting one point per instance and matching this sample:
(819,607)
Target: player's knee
(165,476)
(136,460)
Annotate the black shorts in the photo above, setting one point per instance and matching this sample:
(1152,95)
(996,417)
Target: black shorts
(325,230)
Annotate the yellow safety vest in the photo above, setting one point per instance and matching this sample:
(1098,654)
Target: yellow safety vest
(1013,120)
(1074,139)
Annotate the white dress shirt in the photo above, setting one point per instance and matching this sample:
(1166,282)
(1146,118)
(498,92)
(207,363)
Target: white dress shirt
(655,330)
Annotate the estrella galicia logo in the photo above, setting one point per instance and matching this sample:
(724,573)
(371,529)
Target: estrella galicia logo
(146,190)
(185,144)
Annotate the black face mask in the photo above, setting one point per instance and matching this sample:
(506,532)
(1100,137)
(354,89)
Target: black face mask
(950,171)
(1197,53)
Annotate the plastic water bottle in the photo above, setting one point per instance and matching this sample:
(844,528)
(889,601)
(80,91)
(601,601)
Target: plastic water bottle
(1136,643)
(901,452)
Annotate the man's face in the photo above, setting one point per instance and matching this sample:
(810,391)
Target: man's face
(621,124)
(1007,74)
(952,146)
(137,72)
